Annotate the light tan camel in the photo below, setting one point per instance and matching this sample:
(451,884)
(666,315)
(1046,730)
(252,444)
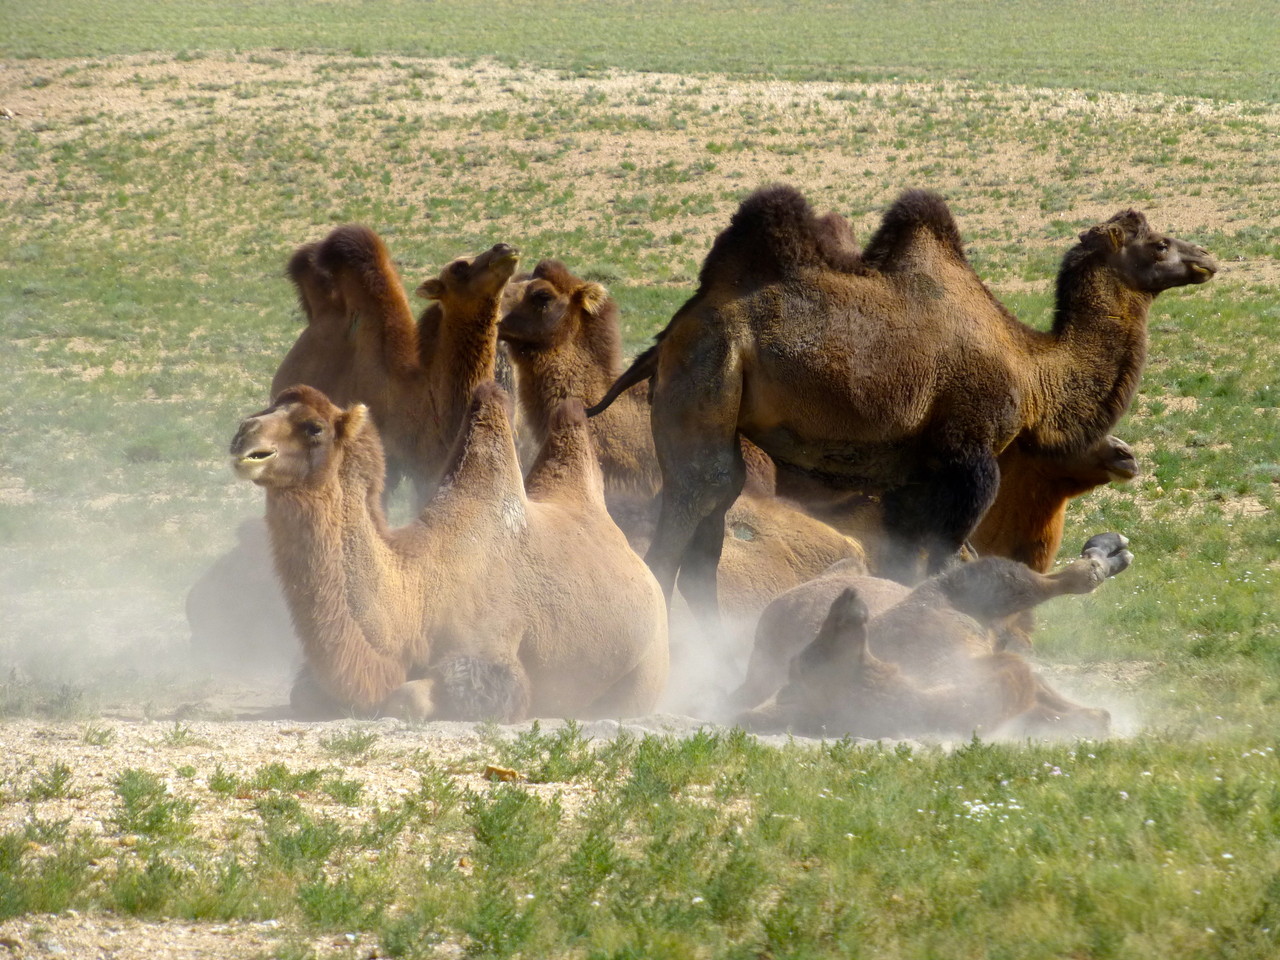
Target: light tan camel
(847,654)
(565,342)
(895,372)
(493,603)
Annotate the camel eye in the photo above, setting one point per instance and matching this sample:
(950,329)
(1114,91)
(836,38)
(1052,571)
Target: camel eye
(1162,246)
(458,268)
(313,428)
(540,298)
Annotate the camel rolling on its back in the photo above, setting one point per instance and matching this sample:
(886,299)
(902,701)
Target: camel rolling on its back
(852,655)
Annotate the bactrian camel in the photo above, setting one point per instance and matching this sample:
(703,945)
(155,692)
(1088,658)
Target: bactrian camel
(493,603)
(852,655)
(894,371)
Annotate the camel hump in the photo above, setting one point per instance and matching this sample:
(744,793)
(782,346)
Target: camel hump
(314,285)
(773,235)
(353,246)
(914,211)
(566,465)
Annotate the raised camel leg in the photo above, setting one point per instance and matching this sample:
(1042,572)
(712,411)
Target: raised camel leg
(993,588)
(936,514)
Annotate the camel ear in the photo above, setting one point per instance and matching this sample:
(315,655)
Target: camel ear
(1105,236)
(431,289)
(350,422)
(592,296)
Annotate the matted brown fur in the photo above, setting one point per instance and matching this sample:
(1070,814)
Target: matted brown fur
(492,599)
(906,378)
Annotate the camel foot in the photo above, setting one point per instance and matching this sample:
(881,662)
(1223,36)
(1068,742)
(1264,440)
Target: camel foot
(1111,549)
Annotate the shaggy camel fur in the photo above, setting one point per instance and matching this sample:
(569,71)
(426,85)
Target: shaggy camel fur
(493,603)
(360,342)
(565,342)
(896,372)
(889,661)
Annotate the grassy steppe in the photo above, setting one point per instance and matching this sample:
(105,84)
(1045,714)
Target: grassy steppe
(161,166)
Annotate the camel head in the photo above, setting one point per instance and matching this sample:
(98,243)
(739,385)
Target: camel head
(294,441)
(554,307)
(1144,259)
(469,282)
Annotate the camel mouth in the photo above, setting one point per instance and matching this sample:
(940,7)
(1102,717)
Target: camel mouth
(1201,272)
(249,466)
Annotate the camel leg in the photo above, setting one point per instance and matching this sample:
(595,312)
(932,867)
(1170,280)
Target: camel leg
(635,693)
(695,435)
(993,588)
(1052,713)
(464,688)
(937,513)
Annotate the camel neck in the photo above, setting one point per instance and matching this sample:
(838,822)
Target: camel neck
(1088,377)
(465,355)
(331,556)
(550,377)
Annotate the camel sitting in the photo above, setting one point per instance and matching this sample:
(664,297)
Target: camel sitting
(888,661)
(896,372)
(504,599)
(565,343)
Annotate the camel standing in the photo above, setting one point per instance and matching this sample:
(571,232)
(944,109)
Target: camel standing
(493,603)
(565,343)
(896,371)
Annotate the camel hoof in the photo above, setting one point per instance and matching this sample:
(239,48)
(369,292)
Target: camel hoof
(410,701)
(1110,550)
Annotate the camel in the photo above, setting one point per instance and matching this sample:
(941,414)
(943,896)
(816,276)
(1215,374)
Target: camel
(565,343)
(861,656)
(893,372)
(503,599)
(361,343)
(564,338)
(360,340)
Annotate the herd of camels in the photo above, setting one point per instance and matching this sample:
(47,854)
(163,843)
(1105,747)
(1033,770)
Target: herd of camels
(851,465)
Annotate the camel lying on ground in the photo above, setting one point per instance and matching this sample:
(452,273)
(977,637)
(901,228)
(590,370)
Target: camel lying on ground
(494,603)
(861,656)
(565,343)
(361,344)
(896,371)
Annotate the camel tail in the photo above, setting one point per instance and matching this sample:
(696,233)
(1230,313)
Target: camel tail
(642,368)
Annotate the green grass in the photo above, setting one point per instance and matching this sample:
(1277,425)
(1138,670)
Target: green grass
(715,845)
(1222,49)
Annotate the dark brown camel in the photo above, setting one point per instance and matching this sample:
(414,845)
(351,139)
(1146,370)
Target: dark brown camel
(895,372)
(565,342)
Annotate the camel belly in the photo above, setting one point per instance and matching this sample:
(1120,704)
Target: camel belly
(837,463)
